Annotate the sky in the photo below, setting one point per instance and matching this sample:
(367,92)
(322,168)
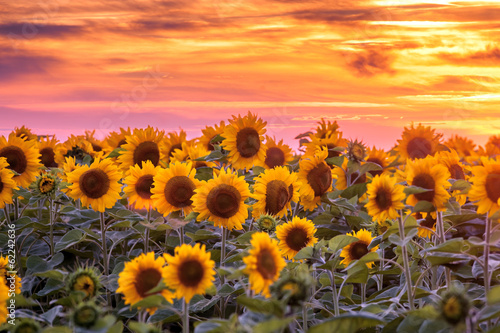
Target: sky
(375,66)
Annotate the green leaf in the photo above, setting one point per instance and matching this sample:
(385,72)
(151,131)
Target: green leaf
(270,306)
(337,161)
(202,234)
(51,286)
(272,325)
(347,323)
(340,241)
(409,190)
(36,264)
(460,185)
(154,301)
(493,296)
(71,238)
(354,190)
(305,253)
(53,274)
(424,206)
(115,153)
(357,274)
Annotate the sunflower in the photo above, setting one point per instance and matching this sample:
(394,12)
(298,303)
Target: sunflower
(340,174)
(457,169)
(97,185)
(84,280)
(222,200)
(315,177)
(191,151)
(380,157)
(418,142)
(243,139)
(277,153)
(357,250)
(209,133)
(140,276)
(174,187)
(464,146)
(97,145)
(264,263)
(274,191)
(45,185)
(4,298)
(356,151)
(295,235)
(74,146)
(139,181)
(485,190)
(492,147)
(171,143)
(385,198)
(429,222)
(429,174)
(4,273)
(7,183)
(23,158)
(47,148)
(25,133)
(143,145)
(334,144)
(326,129)
(190,272)
(68,166)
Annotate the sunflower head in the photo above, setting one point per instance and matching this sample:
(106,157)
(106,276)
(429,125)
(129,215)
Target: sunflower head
(334,144)
(173,143)
(385,198)
(26,325)
(23,158)
(427,221)
(295,235)
(326,129)
(418,142)
(277,153)
(7,183)
(464,146)
(210,133)
(485,190)
(46,185)
(84,280)
(454,306)
(315,177)
(294,290)
(25,133)
(266,223)
(356,151)
(139,181)
(358,249)
(143,145)
(48,148)
(382,226)
(85,315)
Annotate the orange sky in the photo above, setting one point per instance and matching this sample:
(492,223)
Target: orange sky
(374,65)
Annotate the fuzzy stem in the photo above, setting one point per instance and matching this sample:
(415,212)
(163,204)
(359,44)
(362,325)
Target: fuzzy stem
(222,279)
(185,316)
(363,293)
(304,318)
(406,263)
(51,225)
(440,226)
(335,295)
(146,242)
(104,245)
(487,235)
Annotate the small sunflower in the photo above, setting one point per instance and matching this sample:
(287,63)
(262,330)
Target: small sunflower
(418,142)
(429,174)
(140,276)
(85,280)
(356,151)
(485,190)
(143,145)
(85,315)
(25,133)
(463,146)
(97,185)
(264,263)
(429,222)
(385,198)
(174,187)
(4,298)
(46,184)
(172,143)
(274,191)
(380,157)
(117,139)
(4,274)
(266,223)
(47,148)
(26,325)
(277,153)
(454,306)
(7,183)
(23,158)
(190,271)
(334,144)
(139,181)
(359,249)
(315,177)
(209,133)
(295,235)
(326,129)
(74,146)
(243,139)
(222,200)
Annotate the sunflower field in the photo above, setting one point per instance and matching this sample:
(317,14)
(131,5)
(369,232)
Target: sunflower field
(233,231)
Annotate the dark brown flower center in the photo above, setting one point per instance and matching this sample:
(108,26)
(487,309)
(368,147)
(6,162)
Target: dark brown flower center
(94,183)
(456,172)
(96,147)
(147,280)
(191,273)
(331,151)
(143,186)
(376,161)
(121,143)
(266,265)
(419,148)
(173,149)
(223,201)
(210,145)
(358,250)
(320,179)
(428,222)
(426,181)
(493,186)
(296,239)
(179,190)
(358,179)
(15,157)
(48,157)
(1,185)
(247,142)
(383,198)
(290,192)
(276,196)
(274,157)
(147,151)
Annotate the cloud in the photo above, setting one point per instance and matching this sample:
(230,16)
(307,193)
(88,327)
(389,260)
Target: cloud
(29,30)
(486,57)
(13,67)
(370,62)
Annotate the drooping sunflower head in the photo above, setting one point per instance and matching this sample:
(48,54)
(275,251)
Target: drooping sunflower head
(334,144)
(294,290)
(264,263)
(356,151)
(277,153)
(454,306)
(385,198)
(173,142)
(266,223)
(96,185)
(295,235)
(418,142)
(462,145)
(174,187)
(222,200)
(315,177)
(84,280)
(451,160)
(139,181)
(46,184)
(326,129)
(210,133)
(7,183)
(143,145)
(26,325)
(86,315)
(190,271)
(485,190)
(274,191)
(140,276)
(428,174)
(357,250)
(23,158)
(25,133)
(47,148)
(243,139)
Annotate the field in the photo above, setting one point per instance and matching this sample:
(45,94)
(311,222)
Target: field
(233,231)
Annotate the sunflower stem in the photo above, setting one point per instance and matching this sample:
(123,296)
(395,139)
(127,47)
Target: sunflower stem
(406,263)
(304,318)
(222,279)
(335,295)
(16,209)
(51,225)
(7,214)
(442,235)
(363,293)
(487,234)
(104,245)
(146,241)
(380,280)
(185,315)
